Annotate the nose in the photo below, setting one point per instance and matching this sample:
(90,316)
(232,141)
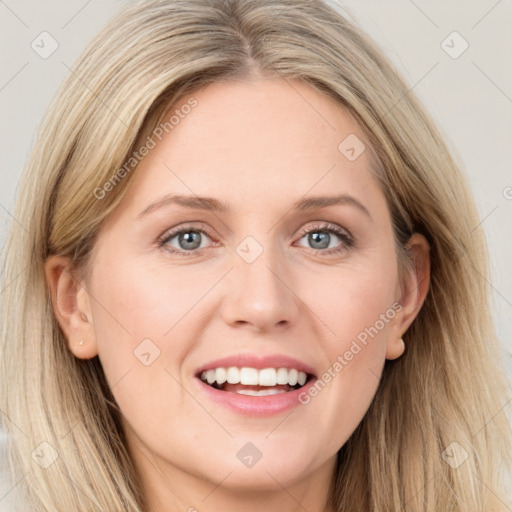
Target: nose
(260,295)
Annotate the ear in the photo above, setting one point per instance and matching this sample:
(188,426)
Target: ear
(71,305)
(412,293)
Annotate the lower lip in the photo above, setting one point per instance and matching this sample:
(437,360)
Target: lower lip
(256,405)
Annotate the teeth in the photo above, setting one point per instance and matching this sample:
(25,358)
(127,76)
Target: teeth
(249,376)
(267,377)
(210,376)
(221,375)
(254,377)
(232,375)
(282,376)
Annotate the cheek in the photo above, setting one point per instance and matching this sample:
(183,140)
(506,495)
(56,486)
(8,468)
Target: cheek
(357,309)
(141,300)
(354,300)
(141,312)
(131,315)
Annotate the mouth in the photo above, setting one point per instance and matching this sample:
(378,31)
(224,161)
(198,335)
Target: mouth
(253,381)
(254,384)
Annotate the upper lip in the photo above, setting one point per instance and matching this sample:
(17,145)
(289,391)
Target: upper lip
(257,361)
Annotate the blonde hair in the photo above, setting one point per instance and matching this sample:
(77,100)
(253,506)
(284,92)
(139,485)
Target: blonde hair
(448,387)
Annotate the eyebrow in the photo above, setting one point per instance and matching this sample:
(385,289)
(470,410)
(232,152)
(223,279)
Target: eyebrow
(213,205)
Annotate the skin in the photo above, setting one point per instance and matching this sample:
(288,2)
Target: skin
(258,146)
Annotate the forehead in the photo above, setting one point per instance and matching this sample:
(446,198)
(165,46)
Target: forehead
(254,141)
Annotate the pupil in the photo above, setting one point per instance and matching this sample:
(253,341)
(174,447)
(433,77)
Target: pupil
(187,240)
(191,240)
(317,238)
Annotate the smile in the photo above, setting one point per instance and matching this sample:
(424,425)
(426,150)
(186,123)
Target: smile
(255,382)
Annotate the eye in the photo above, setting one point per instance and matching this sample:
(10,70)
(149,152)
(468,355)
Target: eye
(188,240)
(323,236)
(184,240)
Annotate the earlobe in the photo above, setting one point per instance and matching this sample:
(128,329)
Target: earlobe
(395,348)
(71,306)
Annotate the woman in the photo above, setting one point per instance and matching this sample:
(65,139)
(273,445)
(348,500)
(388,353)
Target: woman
(252,278)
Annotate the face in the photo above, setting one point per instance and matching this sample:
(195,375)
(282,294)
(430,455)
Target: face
(265,277)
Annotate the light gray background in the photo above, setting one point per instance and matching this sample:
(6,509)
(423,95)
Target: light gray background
(470,96)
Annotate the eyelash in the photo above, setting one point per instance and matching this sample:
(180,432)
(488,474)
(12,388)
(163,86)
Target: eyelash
(347,240)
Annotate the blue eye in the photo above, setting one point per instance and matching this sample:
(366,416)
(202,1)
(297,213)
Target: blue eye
(188,239)
(322,238)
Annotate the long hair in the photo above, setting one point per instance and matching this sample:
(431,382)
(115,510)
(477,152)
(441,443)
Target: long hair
(437,404)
